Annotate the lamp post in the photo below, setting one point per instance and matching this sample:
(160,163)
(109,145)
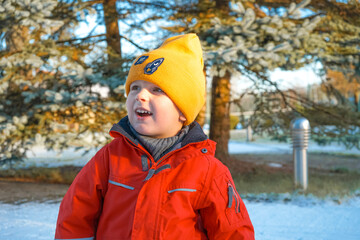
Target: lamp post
(300,134)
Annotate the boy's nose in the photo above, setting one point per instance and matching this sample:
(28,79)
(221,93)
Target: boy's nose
(143,95)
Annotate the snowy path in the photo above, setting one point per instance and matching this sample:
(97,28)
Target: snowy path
(301,220)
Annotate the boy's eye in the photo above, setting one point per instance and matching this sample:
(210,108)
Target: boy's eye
(159,90)
(134,87)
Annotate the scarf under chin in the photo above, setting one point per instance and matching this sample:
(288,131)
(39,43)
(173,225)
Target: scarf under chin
(157,147)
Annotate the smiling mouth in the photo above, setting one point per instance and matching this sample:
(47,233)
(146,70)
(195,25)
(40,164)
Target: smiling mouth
(143,113)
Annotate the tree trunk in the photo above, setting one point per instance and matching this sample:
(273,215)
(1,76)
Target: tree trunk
(112,34)
(113,40)
(220,116)
(220,105)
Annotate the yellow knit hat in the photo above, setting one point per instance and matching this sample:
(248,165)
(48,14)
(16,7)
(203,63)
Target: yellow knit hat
(177,68)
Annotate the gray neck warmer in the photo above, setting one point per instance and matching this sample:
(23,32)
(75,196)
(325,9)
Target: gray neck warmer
(158,147)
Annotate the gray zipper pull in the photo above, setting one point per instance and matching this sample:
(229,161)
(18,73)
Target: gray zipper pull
(144,162)
(230,195)
(150,174)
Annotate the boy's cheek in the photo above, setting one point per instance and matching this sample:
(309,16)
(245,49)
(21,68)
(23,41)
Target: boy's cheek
(128,103)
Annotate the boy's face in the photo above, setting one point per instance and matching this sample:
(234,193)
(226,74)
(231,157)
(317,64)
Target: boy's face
(151,112)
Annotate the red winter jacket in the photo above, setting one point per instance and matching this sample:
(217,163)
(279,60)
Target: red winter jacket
(122,193)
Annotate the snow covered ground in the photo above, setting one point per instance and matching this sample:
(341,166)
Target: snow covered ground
(298,219)
(28,221)
(301,221)
(284,217)
(269,147)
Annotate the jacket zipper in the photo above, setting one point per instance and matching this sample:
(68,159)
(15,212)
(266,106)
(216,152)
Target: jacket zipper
(154,165)
(174,151)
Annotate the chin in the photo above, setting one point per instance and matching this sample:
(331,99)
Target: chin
(143,131)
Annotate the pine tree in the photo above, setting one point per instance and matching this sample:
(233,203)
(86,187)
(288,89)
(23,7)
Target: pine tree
(272,34)
(46,87)
(49,75)
(250,43)
(26,27)
(241,39)
(336,48)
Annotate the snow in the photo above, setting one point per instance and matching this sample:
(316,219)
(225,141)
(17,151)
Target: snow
(39,156)
(271,147)
(294,222)
(31,220)
(274,219)
(283,216)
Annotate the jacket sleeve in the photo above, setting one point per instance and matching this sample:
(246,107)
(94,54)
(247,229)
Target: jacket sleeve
(224,215)
(81,206)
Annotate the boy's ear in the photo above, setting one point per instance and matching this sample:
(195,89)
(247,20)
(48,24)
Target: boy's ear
(182,117)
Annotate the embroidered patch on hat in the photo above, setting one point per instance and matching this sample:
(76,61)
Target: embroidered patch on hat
(153,66)
(141,60)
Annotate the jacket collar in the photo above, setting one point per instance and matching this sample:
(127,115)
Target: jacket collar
(195,134)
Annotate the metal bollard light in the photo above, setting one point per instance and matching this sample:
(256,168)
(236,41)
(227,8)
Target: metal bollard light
(249,137)
(300,132)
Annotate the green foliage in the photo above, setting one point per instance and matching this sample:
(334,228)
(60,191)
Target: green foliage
(47,87)
(248,44)
(60,89)
(334,43)
(340,51)
(251,45)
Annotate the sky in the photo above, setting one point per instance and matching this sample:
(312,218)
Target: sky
(300,78)
(296,78)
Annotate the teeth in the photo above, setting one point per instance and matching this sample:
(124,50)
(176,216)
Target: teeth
(143,111)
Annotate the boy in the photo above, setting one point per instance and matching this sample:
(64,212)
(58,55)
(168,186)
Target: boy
(158,178)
